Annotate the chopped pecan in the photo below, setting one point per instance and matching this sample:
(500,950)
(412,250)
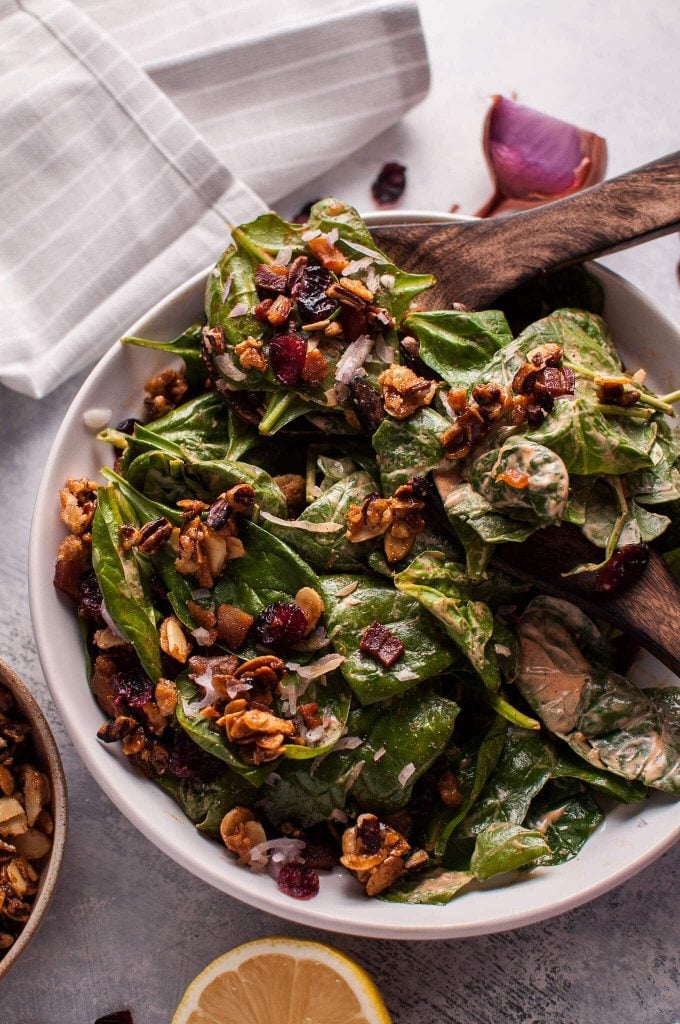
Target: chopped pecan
(334,329)
(151,537)
(457,399)
(315,368)
(250,354)
(233,625)
(205,617)
(404,392)
(292,486)
(375,853)
(378,317)
(370,519)
(459,439)
(295,270)
(78,504)
(166,696)
(116,729)
(164,392)
(350,293)
(312,605)
(366,404)
(492,401)
(407,503)
(380,644)
(545,355)
(264,675)
(240,832)
(271,278)
(262,308)
(203,551)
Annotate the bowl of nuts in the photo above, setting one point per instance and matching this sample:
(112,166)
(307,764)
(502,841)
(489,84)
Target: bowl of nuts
(33,815)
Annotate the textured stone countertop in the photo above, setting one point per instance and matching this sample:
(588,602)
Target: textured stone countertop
(128,927)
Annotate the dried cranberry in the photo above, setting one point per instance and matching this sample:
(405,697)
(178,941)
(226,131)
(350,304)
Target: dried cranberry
(281,625)
(90,598)
(390,183)
(127,426)
(624,568)
(131,687)
(320,855)
(299,881)
(287,353)
(302,216)
(188,761)
(309,291)
(353,323)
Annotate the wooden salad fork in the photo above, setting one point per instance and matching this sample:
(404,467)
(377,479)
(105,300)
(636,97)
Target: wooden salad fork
(477,261)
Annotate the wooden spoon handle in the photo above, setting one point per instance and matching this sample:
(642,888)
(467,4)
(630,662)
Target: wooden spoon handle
(479,260)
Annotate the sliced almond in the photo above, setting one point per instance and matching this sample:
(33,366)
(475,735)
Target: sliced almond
(173,641)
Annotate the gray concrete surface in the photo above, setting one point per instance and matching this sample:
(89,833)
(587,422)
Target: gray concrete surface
(128,927)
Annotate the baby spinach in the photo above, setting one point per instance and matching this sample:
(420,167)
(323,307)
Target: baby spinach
(426,652)
(307,798)
(633,523)
(468,510)
(411,733)
(334,700)
(565,676)
(458,345)
(505,847)
(410,447)
(566,819)
(523,479)
(206,803)
(123,579)
(187,346)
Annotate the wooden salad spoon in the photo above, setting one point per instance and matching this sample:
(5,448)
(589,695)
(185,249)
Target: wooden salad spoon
(477,261)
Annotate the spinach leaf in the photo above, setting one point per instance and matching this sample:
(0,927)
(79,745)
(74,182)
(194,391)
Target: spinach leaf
(123,579)
(401,288)
(523,479)
(661,482)
(566,821)
(334,700)
(426,652)
(330,551)
(589,442)
(505,847)
(468,511)
(204,429)
(305,798)
(268,572)
(211,739)
(564,674)
(412,732)
(638,525)
(410,447)
(281,409)
(458,345)
(206,803)
(435,887)
(187,346)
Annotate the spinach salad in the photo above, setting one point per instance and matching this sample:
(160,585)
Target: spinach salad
(314,656)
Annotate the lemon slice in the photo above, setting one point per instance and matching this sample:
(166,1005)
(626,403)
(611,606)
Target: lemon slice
(282,981)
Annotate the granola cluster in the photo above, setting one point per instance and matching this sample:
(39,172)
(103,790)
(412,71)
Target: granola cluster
(26,825)
(377,854)
(398,519)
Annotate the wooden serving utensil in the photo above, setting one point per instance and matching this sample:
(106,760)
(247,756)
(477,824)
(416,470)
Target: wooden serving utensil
(476,262)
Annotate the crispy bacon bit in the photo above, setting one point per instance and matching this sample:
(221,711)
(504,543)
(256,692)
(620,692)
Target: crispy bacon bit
(379,643)
(404,392)
(611,392)
(514,478)
(233,625)
(553,382)
(368,520)
(262,308)
(315,368)
(250,355)
(328,255)
(164,392)
(279,311)
(310,715)
(292,486)
(390,183)
(271,279)
(366,404)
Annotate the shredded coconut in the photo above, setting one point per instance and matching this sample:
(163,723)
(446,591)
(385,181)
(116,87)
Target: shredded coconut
(303,524)
(353,358)
(240,309)
(356,266)
(318,668)
(227,288)
(372,279)
(97,419)
(226,365)
(383,350)
(406,772)
(346,591)
(307,236)
(202,636)
(379,753)
(365,251)
(405,675)
(283,256)
(387,281)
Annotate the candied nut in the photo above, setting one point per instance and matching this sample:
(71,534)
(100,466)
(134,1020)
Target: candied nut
(407,503)
(549,354)
(173,641)
(370,519)
(449,790)
(151,537)
(205,617)
(310,715)
(292,486)
(315,368)
(105,639)
(271,278)
(166,697)
(117,729)
(32,844)
(250,354)
(417,860)
(375,852)
(240,838)
(240,498)
(366,403)
(134,742)
(164,392)
(6,781)
(380,644)
(524,380)
(36,792)
(616,393)
(78,504)
(312,605)
(384,875)
(279,311)
(12,817)
(233,625)
(492,400)
(260,311)
(348,296)
(328,255)
(334,329)
(73,560)
(457,399)
(404,392)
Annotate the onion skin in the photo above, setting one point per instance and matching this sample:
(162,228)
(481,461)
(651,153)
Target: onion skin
(534,158)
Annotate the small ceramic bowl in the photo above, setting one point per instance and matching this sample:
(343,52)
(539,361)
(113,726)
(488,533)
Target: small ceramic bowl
(49,761)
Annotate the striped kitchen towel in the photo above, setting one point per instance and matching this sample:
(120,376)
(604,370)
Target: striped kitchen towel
(128,131)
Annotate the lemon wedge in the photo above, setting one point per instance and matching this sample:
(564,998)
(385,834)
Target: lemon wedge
(282,981)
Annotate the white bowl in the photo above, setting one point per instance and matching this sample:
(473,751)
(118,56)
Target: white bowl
(630,838)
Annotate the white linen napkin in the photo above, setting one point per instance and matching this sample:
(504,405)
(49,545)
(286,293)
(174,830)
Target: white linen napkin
(126,130)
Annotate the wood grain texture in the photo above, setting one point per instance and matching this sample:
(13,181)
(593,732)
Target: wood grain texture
(476,261)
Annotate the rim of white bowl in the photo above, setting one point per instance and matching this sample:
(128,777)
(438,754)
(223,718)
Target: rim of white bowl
(291,910)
